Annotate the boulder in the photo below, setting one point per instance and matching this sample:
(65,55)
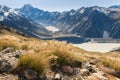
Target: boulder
(84,72)
(30,74)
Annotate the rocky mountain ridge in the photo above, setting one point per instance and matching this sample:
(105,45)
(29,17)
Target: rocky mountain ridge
(14,19)
(92,22)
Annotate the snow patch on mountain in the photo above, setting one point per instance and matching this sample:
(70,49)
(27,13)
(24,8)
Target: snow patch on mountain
(82,11)
(11,10)
(6,14)
(106,34)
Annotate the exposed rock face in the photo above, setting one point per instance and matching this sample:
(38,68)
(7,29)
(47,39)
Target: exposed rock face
(13,19)
(8,60)
(92,22)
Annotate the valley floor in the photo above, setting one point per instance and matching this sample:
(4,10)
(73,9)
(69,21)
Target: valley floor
(98,47)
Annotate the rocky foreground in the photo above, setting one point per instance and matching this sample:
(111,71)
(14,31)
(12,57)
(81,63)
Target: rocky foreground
(9,59)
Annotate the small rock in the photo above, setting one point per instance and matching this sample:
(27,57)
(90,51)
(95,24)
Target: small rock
(91,68)
(101,77)
(57,76)
(92,78)
(93,62)
(42,77)
(30,74)
(67,69)
(49,75)
(84,72)
(76,71)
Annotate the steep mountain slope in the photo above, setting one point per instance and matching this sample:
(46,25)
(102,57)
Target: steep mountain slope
(4,30)
(92,22)
(38,15)
(115,6)
(19,22)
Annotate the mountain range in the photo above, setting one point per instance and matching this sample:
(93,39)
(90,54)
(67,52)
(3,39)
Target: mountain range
(90,22)
(14,19)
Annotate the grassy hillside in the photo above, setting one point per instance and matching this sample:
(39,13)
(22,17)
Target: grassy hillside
(42,54)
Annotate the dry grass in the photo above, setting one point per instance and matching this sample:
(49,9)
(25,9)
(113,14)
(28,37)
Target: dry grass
(40,52)
(38,62)
(5,44)
(111,62)
(14,42)
(64,57)
(42,61)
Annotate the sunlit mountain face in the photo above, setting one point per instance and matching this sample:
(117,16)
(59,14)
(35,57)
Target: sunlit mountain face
(92,22)
(14,19)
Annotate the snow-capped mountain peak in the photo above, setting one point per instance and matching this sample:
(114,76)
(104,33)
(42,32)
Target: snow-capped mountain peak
(115,6)
(14,19)
(5,11)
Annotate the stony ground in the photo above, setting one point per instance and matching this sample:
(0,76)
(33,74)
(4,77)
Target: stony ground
(82,71)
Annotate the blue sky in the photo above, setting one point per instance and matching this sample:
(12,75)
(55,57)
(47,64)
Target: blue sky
(59,5)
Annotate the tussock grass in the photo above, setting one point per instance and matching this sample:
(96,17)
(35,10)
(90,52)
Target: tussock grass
(13,42)
(42,61)
(112,63)
(40,53)
(38,62)
(5,44)
(64,57)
